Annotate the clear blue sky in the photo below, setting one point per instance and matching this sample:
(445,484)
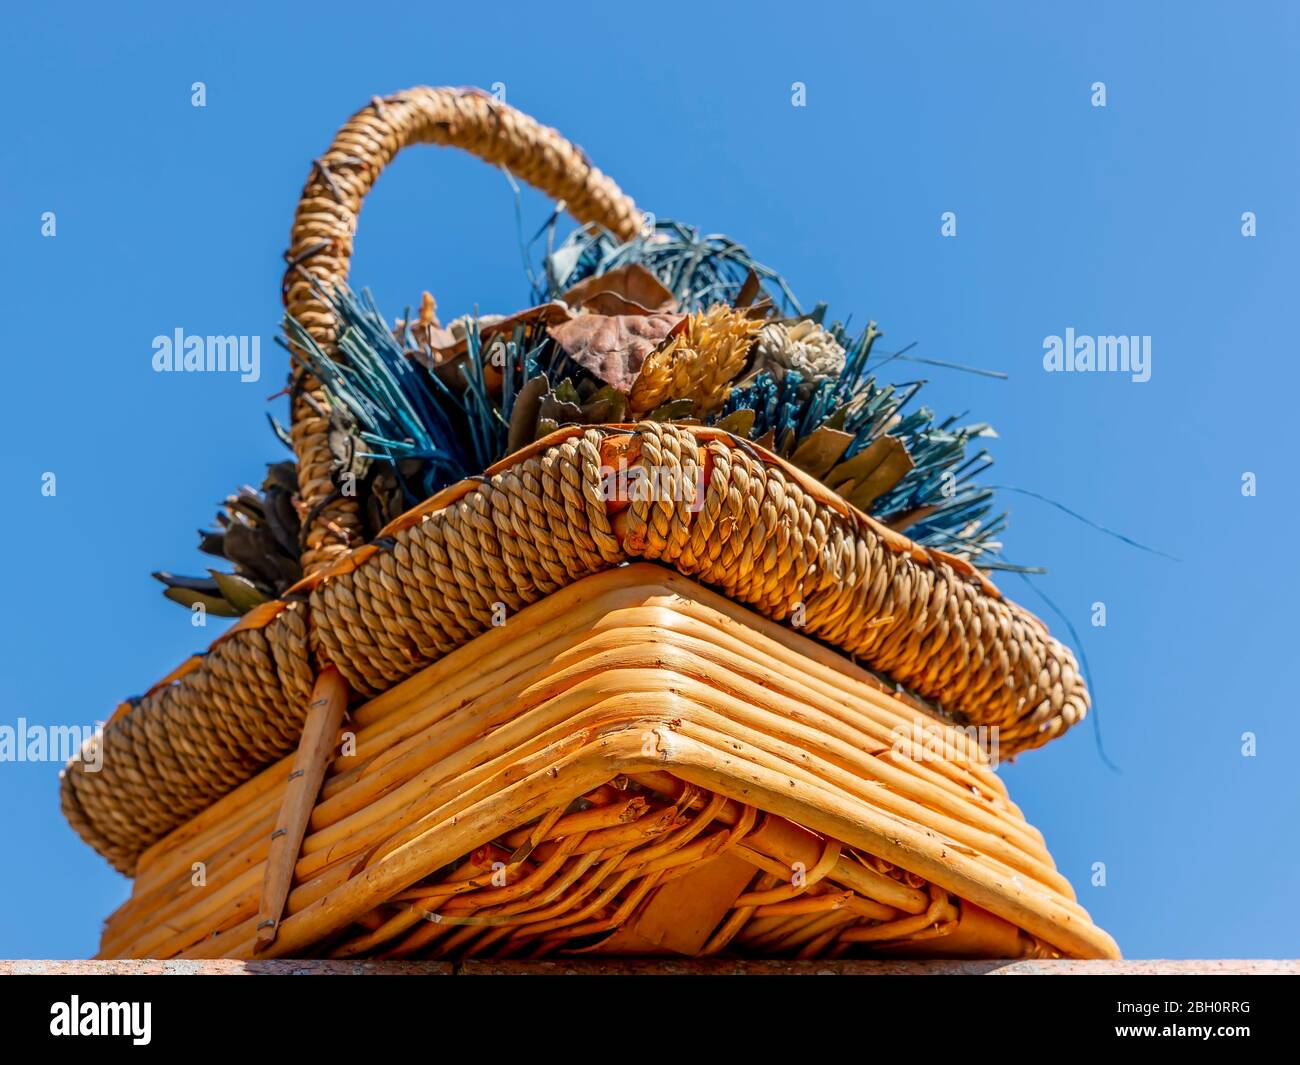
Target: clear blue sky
(1122,220)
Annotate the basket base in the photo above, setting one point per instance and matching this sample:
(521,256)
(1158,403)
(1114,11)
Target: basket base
(632,766)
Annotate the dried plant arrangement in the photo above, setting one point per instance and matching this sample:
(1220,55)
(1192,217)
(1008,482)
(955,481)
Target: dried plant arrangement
(671,327)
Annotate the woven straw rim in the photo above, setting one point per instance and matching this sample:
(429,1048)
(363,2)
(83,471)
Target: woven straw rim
(769,537)
(261,616)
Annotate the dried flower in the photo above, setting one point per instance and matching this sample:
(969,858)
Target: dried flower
(698,363)
(804,347)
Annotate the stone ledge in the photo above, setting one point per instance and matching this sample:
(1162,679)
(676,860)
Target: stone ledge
(648,967)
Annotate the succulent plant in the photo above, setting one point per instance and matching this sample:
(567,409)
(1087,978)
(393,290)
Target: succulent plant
(257,530)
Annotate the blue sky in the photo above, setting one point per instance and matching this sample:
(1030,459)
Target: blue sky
(1117,220)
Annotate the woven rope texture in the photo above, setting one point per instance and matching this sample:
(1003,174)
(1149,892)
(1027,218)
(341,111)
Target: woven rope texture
(735,520)
(320,245)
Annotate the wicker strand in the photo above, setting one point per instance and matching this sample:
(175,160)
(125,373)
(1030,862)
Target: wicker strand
(192,741)
(756,534)
(320,246)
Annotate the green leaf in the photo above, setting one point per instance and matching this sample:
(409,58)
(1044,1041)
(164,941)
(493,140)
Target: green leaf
(214,606)
(566,393)
(239,592)
(672,410)
(738,423)
(560,411)
(608,404)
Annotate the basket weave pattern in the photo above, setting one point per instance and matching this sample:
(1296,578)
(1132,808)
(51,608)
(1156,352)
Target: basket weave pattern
(762,536)
(234,710)
(631,767)
(320,245)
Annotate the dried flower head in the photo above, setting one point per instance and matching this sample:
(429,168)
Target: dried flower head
(698,362)
(804,347)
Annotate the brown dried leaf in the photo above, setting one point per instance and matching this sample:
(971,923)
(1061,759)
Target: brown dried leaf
(872,472)
(905,519)
(630,289)
(748,291)
(613,347)
(428,332)
(820,450)
(524,414)
(450,347)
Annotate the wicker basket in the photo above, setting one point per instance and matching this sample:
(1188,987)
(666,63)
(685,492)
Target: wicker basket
(631,763)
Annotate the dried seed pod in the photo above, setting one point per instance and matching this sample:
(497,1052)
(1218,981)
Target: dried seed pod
(698,362)
(804,347)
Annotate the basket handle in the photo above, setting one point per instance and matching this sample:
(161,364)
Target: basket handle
(320,245)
